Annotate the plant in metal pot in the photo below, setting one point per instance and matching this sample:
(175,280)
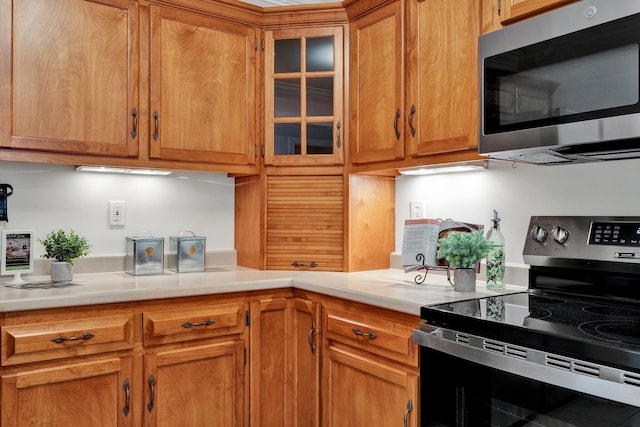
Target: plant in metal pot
(462,251)
(63,248)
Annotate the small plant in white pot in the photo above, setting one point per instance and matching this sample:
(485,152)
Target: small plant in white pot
(462,251)
(63,248)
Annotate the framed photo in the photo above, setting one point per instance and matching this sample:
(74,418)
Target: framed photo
(16,252)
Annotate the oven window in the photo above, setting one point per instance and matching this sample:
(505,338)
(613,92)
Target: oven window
(590,74)
(458,393)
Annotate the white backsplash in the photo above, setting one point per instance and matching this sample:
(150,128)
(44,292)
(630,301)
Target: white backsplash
(48,197)
(519,191)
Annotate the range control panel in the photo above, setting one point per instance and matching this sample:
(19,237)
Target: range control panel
(615,233)
(557,240)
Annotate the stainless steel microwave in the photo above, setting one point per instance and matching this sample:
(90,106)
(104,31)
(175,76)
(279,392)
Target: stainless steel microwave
(563,87)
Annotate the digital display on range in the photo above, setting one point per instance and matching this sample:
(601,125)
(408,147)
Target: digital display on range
(615,233)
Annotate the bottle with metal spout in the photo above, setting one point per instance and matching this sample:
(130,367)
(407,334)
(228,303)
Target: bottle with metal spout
(495,257)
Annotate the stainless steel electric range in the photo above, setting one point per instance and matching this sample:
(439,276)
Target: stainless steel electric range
(564,353)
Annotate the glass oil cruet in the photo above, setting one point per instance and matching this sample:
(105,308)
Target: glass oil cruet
(495,257)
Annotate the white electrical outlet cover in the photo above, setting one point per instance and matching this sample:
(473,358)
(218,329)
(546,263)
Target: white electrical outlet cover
(116,213)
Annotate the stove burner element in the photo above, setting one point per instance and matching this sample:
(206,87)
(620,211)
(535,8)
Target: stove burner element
(614,331)
(539,313)
(612,311)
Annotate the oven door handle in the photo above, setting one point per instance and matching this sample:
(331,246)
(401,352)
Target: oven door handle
(586,377)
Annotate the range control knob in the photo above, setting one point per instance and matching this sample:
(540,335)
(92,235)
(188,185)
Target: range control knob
(538,233)
(560,235)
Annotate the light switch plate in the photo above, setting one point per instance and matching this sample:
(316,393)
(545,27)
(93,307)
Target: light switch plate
(416,209)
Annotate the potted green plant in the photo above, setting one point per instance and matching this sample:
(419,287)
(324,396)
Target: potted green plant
(462,250)
(63,248)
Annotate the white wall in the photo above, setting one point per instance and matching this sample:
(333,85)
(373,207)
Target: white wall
(520,191)
(48,197)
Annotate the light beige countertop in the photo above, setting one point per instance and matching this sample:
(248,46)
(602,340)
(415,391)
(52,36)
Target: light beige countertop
(392,288)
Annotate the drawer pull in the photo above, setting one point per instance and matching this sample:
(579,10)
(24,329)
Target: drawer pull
(191,325)
(312,264)
(411,113)
(134,114)
(395,124)
(86,336)
(370,335)
(127,391)
(152,393)
(310,337)
(407,412)
(157,125)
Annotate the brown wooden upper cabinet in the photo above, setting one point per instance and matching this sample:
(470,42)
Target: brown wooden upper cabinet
(304,97)
(69,76)
(419,99)
(202,84)
(376,85)
(76,74)
(442,77)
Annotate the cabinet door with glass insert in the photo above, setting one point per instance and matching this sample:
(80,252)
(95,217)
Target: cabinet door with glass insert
(303,97)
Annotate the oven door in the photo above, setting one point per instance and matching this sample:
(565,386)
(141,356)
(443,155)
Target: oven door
(456,392)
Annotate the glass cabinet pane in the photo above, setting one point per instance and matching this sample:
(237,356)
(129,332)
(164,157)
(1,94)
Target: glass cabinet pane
(320,54)
(287,138)
(320,138)
(320,96)
(287,56)
(287,97)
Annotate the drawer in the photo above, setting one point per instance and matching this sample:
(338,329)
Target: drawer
(161,327)
(377,335)
(55,340)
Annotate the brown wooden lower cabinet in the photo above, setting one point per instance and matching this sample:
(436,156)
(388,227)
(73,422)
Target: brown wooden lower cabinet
(370,371)
(285,362)
(78,394)
(200,385)
(361,389)
(261,358)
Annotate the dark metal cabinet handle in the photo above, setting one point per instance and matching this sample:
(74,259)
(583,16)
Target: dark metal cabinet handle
(407,412)
(310,337)
(155,131)
(313,264)
(127,391)
(152,397)
(86,336)
(194,324)
(370,335)
(339,126)
(411,113)
(134,114)
(395,124)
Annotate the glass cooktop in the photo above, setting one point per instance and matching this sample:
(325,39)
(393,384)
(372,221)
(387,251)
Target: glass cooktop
(586,329)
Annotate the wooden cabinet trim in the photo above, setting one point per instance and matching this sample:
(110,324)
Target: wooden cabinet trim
(514,10)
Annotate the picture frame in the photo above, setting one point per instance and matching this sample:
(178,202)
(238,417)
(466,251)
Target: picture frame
(16,254)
